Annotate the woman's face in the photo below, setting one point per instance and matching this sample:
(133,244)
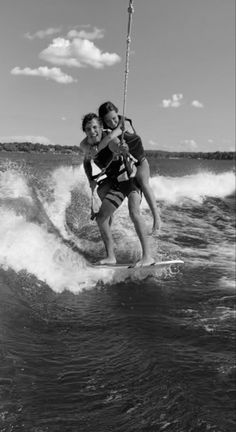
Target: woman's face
(111,119)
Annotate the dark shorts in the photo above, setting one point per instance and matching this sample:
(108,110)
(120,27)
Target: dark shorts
(103,188)
(120,190)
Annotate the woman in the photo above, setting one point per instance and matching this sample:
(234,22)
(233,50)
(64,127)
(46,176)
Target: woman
(108,113)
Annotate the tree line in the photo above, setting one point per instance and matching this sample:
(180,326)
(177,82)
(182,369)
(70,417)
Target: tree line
(162,154)
(29,147)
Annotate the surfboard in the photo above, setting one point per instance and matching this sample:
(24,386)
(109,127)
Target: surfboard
(130,266)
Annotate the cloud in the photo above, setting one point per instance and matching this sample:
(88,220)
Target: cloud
(54,74)
(27,138)
(78,53)
(197,104)
(174,102)
(41,34)
(82,34)
(152,144)
(189,143)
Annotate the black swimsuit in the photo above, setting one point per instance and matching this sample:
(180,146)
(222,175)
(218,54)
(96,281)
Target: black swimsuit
(104,159)
(135,145)
(117,190)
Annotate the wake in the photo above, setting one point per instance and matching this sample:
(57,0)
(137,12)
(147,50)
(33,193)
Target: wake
(32,242)
(197,187)
(46,230)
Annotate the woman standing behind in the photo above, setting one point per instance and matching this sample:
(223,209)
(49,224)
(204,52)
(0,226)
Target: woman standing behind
(108,113)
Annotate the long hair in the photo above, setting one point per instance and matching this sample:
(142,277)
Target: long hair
(105,108)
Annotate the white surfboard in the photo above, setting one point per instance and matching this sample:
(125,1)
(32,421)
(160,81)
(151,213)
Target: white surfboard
(130,266)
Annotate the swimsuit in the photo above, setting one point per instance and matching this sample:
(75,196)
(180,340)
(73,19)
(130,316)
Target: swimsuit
(120,190)
(134,143)
(115,171)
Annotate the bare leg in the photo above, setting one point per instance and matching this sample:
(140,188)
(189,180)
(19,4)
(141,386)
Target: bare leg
(103,220)
(102,191)
(134,211)
(143,174)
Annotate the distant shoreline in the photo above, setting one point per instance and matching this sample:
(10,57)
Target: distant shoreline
(219,155)
(27,147)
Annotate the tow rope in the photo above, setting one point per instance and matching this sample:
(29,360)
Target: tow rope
(128,42)
(125,155)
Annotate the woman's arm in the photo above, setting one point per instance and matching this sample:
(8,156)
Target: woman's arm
(109,137)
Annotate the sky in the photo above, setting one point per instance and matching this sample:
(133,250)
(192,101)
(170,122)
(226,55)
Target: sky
(61,59)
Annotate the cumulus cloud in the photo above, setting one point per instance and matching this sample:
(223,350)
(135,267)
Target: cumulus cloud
(189,143)
(78,52)
(27,138)
(41,34)
(197,104)
(54,74)
(82,34)
(174,102)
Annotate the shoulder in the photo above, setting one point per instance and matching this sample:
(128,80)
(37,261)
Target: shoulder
(129,126)
(84,145)
(85,149)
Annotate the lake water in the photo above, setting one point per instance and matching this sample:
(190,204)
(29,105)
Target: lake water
(84,350)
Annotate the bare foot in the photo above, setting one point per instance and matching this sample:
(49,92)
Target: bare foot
(107,261)
(156,229)
(145,262)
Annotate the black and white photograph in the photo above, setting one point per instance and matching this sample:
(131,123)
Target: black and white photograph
(117,216)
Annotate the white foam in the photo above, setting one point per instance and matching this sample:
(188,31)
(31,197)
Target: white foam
(63,181)
(13,185)
(226,282)
(195,187)
(28,246)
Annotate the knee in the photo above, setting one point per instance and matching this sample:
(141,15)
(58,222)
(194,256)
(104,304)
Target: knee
(100,218)
(134,214)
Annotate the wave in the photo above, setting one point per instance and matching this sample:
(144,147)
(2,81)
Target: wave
(35,214)
(31,242)
(194,187)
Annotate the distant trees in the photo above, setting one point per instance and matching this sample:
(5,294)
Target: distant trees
(160,154)
(37,147)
